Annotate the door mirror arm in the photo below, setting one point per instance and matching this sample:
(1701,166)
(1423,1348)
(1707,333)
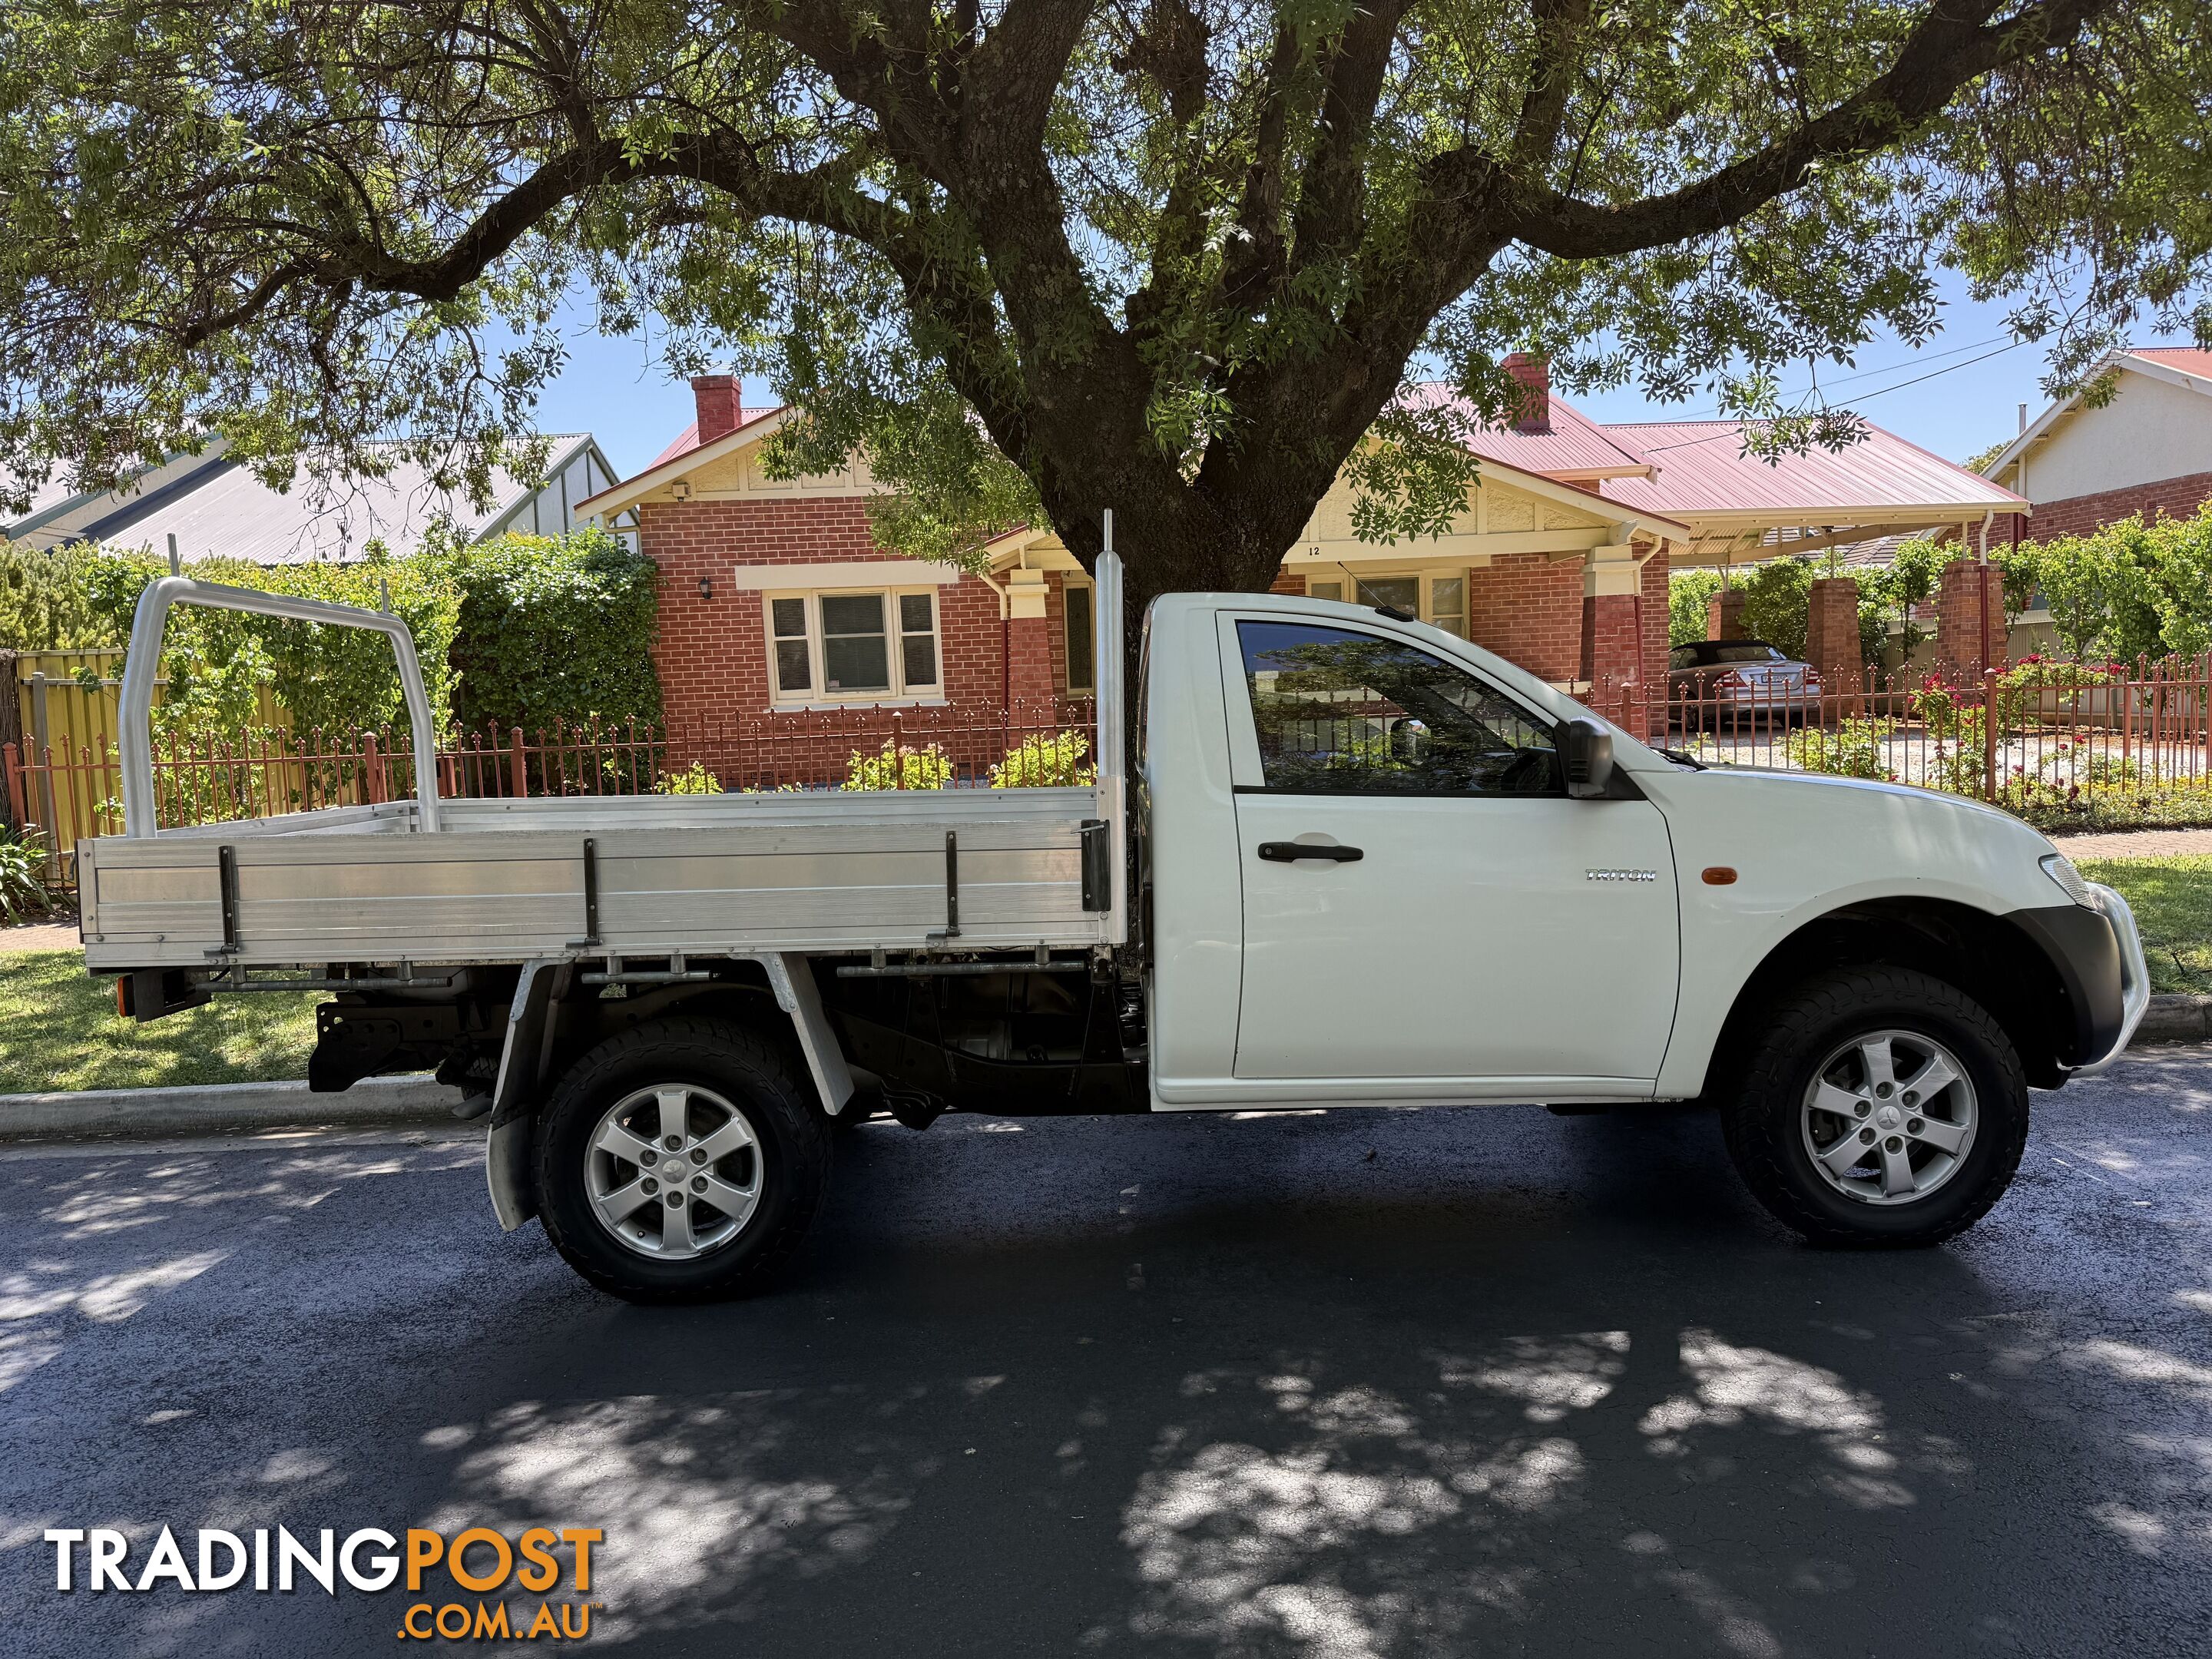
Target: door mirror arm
(1585,746)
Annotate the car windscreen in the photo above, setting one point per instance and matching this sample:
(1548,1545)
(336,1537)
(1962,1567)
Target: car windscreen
(1746,651)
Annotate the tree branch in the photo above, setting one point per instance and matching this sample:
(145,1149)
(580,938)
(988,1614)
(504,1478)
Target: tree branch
(1948,48)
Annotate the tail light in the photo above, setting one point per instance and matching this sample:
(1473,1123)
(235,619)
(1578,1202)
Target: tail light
(1729,681)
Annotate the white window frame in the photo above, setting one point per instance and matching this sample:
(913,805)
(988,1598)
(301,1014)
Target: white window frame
(1350,579)
(816,697)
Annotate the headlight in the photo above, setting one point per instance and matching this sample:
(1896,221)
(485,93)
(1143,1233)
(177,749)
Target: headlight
(2060,869)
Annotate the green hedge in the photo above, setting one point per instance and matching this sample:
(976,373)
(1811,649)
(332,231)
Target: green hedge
(329,679)
(526,631)
(45,601)
(553,629)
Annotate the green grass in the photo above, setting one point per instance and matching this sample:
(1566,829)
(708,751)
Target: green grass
(2172,898)
(59,1030)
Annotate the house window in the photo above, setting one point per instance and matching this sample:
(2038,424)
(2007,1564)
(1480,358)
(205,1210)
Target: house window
(1438,598)
(840,646)
(1075,604)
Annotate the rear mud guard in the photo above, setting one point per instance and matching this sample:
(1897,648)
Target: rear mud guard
(522,1064)
(525,1063)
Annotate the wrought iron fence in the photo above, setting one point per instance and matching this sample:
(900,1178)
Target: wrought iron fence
(68,794)
(2051,740)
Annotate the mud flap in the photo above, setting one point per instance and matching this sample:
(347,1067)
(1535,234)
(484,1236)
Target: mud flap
(792,978)
(514,1096)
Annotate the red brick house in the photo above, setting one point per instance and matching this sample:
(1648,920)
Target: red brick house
(780,614)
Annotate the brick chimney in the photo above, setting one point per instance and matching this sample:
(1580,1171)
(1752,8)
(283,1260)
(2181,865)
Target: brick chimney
(717,396)
(1535,374)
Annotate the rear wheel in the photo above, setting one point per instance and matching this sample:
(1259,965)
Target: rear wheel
(1879,1106)
(681,1161)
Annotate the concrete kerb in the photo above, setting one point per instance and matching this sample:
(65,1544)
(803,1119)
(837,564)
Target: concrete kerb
(2175,1019)
(418,1099)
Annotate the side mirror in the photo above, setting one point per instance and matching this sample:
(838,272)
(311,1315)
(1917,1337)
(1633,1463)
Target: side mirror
(1585,746)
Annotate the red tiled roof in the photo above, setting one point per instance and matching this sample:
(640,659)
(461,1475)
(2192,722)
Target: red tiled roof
(1703,469)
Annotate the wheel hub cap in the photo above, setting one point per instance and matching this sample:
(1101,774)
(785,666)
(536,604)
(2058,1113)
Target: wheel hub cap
(1868,1148)
(673,1172)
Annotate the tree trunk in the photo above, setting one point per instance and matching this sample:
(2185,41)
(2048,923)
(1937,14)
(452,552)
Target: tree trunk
(1177,542)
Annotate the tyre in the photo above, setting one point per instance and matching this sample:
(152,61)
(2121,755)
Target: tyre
(1878,1106)
(705,1096)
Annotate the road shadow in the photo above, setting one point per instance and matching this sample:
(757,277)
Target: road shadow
(1355,1383)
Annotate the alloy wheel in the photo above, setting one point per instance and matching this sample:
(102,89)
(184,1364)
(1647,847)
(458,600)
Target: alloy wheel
(1889,1118)
(674,1171)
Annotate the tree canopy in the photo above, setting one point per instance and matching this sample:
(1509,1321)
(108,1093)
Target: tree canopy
(1183,258)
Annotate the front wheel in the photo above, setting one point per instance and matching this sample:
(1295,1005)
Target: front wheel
(681,1161)
(1879,1106)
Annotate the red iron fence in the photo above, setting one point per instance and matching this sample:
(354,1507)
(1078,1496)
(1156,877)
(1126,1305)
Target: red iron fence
(2053,741)
(2048,739)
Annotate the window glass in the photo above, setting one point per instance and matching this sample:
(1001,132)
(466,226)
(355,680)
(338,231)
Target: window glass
(918,639)
(1324,590)
(1344,713)
(856,655)
(788,620)
(1746,651)
(1399,592)
(1682,656)
(1448,603)
(1077,606)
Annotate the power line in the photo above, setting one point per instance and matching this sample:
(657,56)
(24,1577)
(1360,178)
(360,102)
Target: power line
(1864,398)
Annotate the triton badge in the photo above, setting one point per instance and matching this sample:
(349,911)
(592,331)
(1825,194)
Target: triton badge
(1620,875)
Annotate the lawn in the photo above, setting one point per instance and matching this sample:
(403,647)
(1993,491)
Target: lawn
(59,1030)
(2172,898)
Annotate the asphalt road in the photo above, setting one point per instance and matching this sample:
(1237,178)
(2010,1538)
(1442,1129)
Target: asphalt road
(1378,1383)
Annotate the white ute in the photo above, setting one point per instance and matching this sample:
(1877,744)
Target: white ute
(1360,862)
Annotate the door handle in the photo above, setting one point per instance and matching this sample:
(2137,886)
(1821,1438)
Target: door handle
(1290,852)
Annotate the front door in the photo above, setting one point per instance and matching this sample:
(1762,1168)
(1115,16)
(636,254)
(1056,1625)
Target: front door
(1458,916)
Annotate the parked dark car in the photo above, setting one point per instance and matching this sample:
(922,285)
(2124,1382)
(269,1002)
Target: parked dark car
(1738,682)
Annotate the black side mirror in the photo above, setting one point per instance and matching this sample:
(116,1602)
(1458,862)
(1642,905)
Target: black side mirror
(1585,746)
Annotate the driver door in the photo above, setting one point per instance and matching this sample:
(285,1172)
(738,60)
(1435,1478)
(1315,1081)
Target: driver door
(1457,917)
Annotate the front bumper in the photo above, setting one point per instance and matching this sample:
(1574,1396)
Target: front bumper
(2135,975)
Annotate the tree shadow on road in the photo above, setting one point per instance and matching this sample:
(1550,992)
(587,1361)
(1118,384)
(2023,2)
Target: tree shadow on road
(1351,1384)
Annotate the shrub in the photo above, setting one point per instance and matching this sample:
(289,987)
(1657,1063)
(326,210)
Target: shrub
(1777,598)
(23,889)
(46,604)
(908,769)
(328,679)
(1956,728)
(1046,761)
(551,629)
(1689,597)
(1853,750)
(693,780)
(2185,592)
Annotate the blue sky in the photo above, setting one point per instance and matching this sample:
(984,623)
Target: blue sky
(1974,382)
